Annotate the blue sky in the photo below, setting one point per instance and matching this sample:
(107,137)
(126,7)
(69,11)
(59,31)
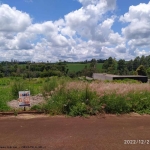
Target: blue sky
(43,10)
(74,30)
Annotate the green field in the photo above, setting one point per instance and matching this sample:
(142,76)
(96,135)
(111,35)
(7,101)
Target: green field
(9,90)
(74,67)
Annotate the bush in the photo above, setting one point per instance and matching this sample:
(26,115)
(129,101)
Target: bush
(115,104)
(131,102)
(49,85)
(1,75)
(80,109)
(37,108)
(4,81)
(3,106)
(16,87)
(21,86)
(126,81)
(73,102)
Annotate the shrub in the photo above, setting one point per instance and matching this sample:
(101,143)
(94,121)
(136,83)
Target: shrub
(37,107)
(80,109)
(4,81)
(115,103)
(21,86)
(130,102)
(73,102)
(3,106)
(49,85)
(1,75)
(16,87)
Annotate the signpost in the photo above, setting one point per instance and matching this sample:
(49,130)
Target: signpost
(24,98)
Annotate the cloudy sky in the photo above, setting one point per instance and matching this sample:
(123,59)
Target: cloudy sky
(74,30)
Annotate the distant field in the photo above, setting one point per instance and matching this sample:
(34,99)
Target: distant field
(78,67)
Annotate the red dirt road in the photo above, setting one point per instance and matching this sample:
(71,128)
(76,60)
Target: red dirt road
(61,133)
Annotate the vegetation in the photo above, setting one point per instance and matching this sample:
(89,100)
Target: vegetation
(79,98)
(140,65)
(66,94)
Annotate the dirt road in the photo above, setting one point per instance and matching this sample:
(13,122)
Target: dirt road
(29,132)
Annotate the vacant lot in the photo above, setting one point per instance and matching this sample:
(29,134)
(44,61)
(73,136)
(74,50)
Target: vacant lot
(76,97)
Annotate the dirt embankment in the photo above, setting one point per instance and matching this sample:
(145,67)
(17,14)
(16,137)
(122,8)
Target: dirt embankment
(34,100)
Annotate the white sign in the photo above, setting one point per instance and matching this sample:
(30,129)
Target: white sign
(24,98)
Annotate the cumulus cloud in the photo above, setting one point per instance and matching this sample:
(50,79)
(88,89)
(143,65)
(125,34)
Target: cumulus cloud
(79,35)
(104,4)
(138,29)
(12,20)
(84,20)
(82,34)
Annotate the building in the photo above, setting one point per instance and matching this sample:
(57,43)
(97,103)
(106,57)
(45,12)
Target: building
(110,77)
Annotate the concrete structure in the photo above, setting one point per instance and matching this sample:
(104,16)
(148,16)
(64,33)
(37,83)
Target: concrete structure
(104,76)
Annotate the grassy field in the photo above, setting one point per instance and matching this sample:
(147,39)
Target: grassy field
(78,67)
(79,97)
(9,88)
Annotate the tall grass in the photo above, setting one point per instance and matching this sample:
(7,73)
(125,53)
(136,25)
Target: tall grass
(24,85)
(5,96)
(102,88)
(79,98)
(131,102)
(74,97)
(73,102)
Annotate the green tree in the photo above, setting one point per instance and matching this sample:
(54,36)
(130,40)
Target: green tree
(110,66)
(136,63)
(141,70)
(143,61)
(93,63)
(130,65)
(1,75)
(121,66)
(148,72)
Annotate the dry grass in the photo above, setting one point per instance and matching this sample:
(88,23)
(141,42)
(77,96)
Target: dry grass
(102,88)
(79,85)
(119,88)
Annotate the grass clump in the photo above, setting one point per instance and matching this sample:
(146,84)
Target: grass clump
(4,82)
(131,102)
(22,86)
(73,102)
(49,85)
(115,104)
(126,81)
(16,87)
(5,96)
(37,108)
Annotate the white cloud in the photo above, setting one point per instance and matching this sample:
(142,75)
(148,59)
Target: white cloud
(138,29)
(105,4)
(73,38)
(82,34)
(12,20)
(84,20)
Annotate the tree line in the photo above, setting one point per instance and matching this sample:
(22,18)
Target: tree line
(137,66)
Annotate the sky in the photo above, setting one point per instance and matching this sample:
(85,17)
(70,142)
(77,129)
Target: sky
(73,30)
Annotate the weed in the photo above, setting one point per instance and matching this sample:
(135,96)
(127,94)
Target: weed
(49,85)
(16,87)
(72,102)
(15,112)
(37,107)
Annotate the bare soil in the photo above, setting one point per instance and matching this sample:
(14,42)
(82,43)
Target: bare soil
(34,100)
(44,132)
